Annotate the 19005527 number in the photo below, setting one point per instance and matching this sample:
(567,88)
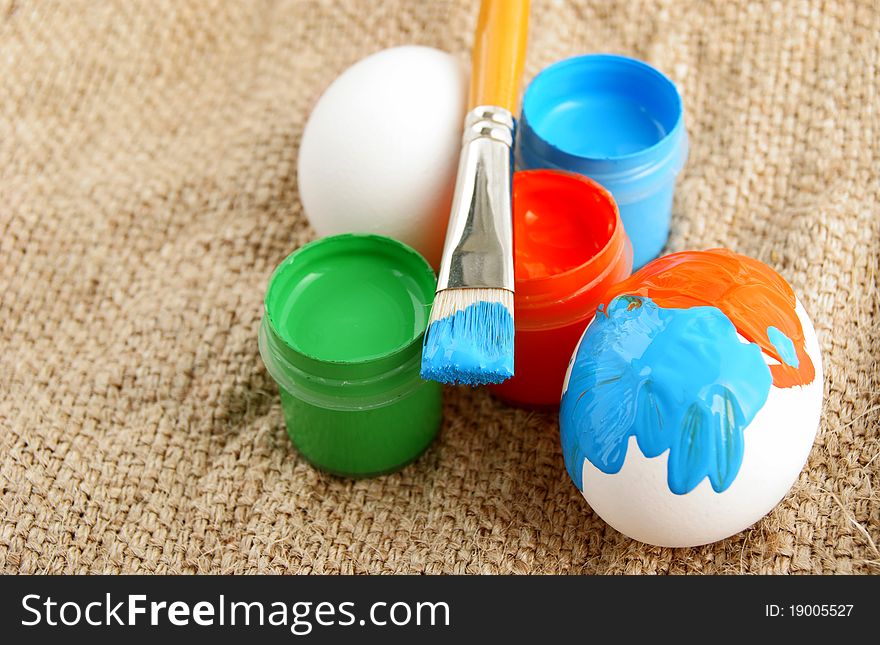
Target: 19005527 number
(820,610)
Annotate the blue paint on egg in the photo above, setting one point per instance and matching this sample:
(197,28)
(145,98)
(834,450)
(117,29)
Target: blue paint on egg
(678,380)
(784,346)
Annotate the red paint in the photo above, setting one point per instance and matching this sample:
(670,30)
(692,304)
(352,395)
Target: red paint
(749,292)
(569,248)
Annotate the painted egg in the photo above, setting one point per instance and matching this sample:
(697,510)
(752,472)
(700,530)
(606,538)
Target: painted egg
(380,150)
(693,398)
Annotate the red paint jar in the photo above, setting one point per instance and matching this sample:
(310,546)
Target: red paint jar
(569,247)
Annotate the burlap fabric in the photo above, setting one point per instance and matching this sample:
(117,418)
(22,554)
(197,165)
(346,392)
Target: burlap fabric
(148,188)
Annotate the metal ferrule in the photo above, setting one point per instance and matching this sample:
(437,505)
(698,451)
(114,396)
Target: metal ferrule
(479,239)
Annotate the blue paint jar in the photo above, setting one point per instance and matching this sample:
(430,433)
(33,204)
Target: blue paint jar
(618,121)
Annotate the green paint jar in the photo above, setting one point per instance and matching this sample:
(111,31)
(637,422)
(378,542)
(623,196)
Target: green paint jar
(342,336)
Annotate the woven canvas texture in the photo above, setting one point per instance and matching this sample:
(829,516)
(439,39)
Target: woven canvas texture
(148,189)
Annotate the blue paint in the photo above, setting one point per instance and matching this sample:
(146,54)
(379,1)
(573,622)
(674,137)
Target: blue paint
(473,346)
(626,125)
(784,346)
(678,380)
(620,122)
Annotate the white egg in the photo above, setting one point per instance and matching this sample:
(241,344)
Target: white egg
(380,150)
(638,502)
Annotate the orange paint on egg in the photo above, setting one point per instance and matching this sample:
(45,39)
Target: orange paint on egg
(751,294)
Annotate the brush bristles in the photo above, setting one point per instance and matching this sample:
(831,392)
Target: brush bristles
(469,337)
(451,301)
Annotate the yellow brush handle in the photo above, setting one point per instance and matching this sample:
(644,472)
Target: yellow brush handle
(499,53)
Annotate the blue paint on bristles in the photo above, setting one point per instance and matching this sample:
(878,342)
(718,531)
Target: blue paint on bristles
(472,345)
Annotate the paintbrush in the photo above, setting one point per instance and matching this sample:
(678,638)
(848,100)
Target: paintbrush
(470,333)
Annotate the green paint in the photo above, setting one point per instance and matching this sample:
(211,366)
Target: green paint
(350,299)
(341,335)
